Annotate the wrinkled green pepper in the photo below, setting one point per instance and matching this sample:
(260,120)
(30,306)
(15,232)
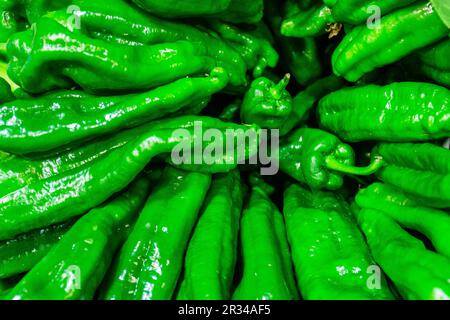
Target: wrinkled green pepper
(434,224)
(357,11)
(75,267)
(103,55)
(417,273)
(300,56)
(238,11)
(309,22)
(403,31)
(421,170)
(331,259)
(28,126)
(434,62)
(23,252)
(268,105)
(41,191)
(267,268)
(403,111)
(212,251)
(320,159)
(257,51)
(150,262)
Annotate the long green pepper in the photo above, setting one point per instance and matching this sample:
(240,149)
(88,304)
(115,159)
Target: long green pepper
(212,252)
(74,268)
(150,262)
(267,268)
(329,253)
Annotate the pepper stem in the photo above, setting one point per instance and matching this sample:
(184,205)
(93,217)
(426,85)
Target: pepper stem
(335,165)
(277,90)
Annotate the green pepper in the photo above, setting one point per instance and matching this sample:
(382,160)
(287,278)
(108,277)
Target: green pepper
(267,268)
(357,11)
(309,22)
(150,262)
(75,267)
(268,105)
(28,126)
(103,55)
(44,190)
(331,259)
(434,224)
(231,112)
(23,252)
(403,31)
(421,170)
(434,62)
(403,111)
(299,55)
(257,51)
(238,11)
(212,251)
(417,273)
(320,159)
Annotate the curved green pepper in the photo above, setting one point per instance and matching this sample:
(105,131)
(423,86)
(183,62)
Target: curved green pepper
(267,268)
(268,105)
(238,11)
(309,22)
(74,268)
(319,159)
(150,261)
(257,52)
(357,11)
(416,272)
(103,55)
(402,31)
(28,126)
(45,190)
(435,63)
(23,252)
(403,111)
(434,224)
(329,253)
(212,251)
(300,56)
(421,170)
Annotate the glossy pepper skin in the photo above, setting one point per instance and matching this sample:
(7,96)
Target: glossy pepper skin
(434,62)
(417,272)
(319,159)
(74,268)
(37,192)
(23,252)
(256,50)
(267,268)
(300,56)
(329,253)
(268,105)
(308,22)
(357,11)
(150,262)
(421,170)
(50,122)
(212,251)
(238,11)
(408,213)
(402,111)
(403,32)
(103,55)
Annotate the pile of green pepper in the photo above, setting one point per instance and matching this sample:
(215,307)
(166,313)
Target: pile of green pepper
(350,98)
